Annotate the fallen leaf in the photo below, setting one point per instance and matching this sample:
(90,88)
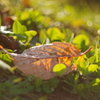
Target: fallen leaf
(40,60)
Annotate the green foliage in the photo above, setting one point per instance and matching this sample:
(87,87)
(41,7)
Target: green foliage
(81,40)
(17,86)
(38,84)
(59,69)
(54,34)
(5,66)
(94,85)
(22,33)
(11,90)
(18,28)
(42,37)
(46,86)
(85,70)
(49,86)
(70,36)
(6,58)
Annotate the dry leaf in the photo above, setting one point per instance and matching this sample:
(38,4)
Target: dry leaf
(40,60)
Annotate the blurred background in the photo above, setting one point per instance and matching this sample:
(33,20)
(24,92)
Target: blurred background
(46,13)
(80,16)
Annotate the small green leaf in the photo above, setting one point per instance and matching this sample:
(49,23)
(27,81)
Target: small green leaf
(17,27)
(6,58)
(31,78)
(46,87)
(42,37)
(30,34)
(25,15)
(24,29)
(81,39)
(19,31)
(55,34)
(70,35)
(38,82)
(95,82)
(53,82)
(92,68)
(76,78)
(91,59)
(80,87)
(86,69)
(95,85)
(17,80)
(71,78)
(5,66)
(82,68)
(59,69)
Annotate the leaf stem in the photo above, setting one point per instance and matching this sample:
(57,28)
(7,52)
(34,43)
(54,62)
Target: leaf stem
(86,51)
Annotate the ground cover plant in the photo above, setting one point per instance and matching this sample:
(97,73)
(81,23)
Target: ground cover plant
(27,23)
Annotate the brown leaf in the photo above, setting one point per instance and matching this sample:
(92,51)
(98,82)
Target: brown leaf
(40,60)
